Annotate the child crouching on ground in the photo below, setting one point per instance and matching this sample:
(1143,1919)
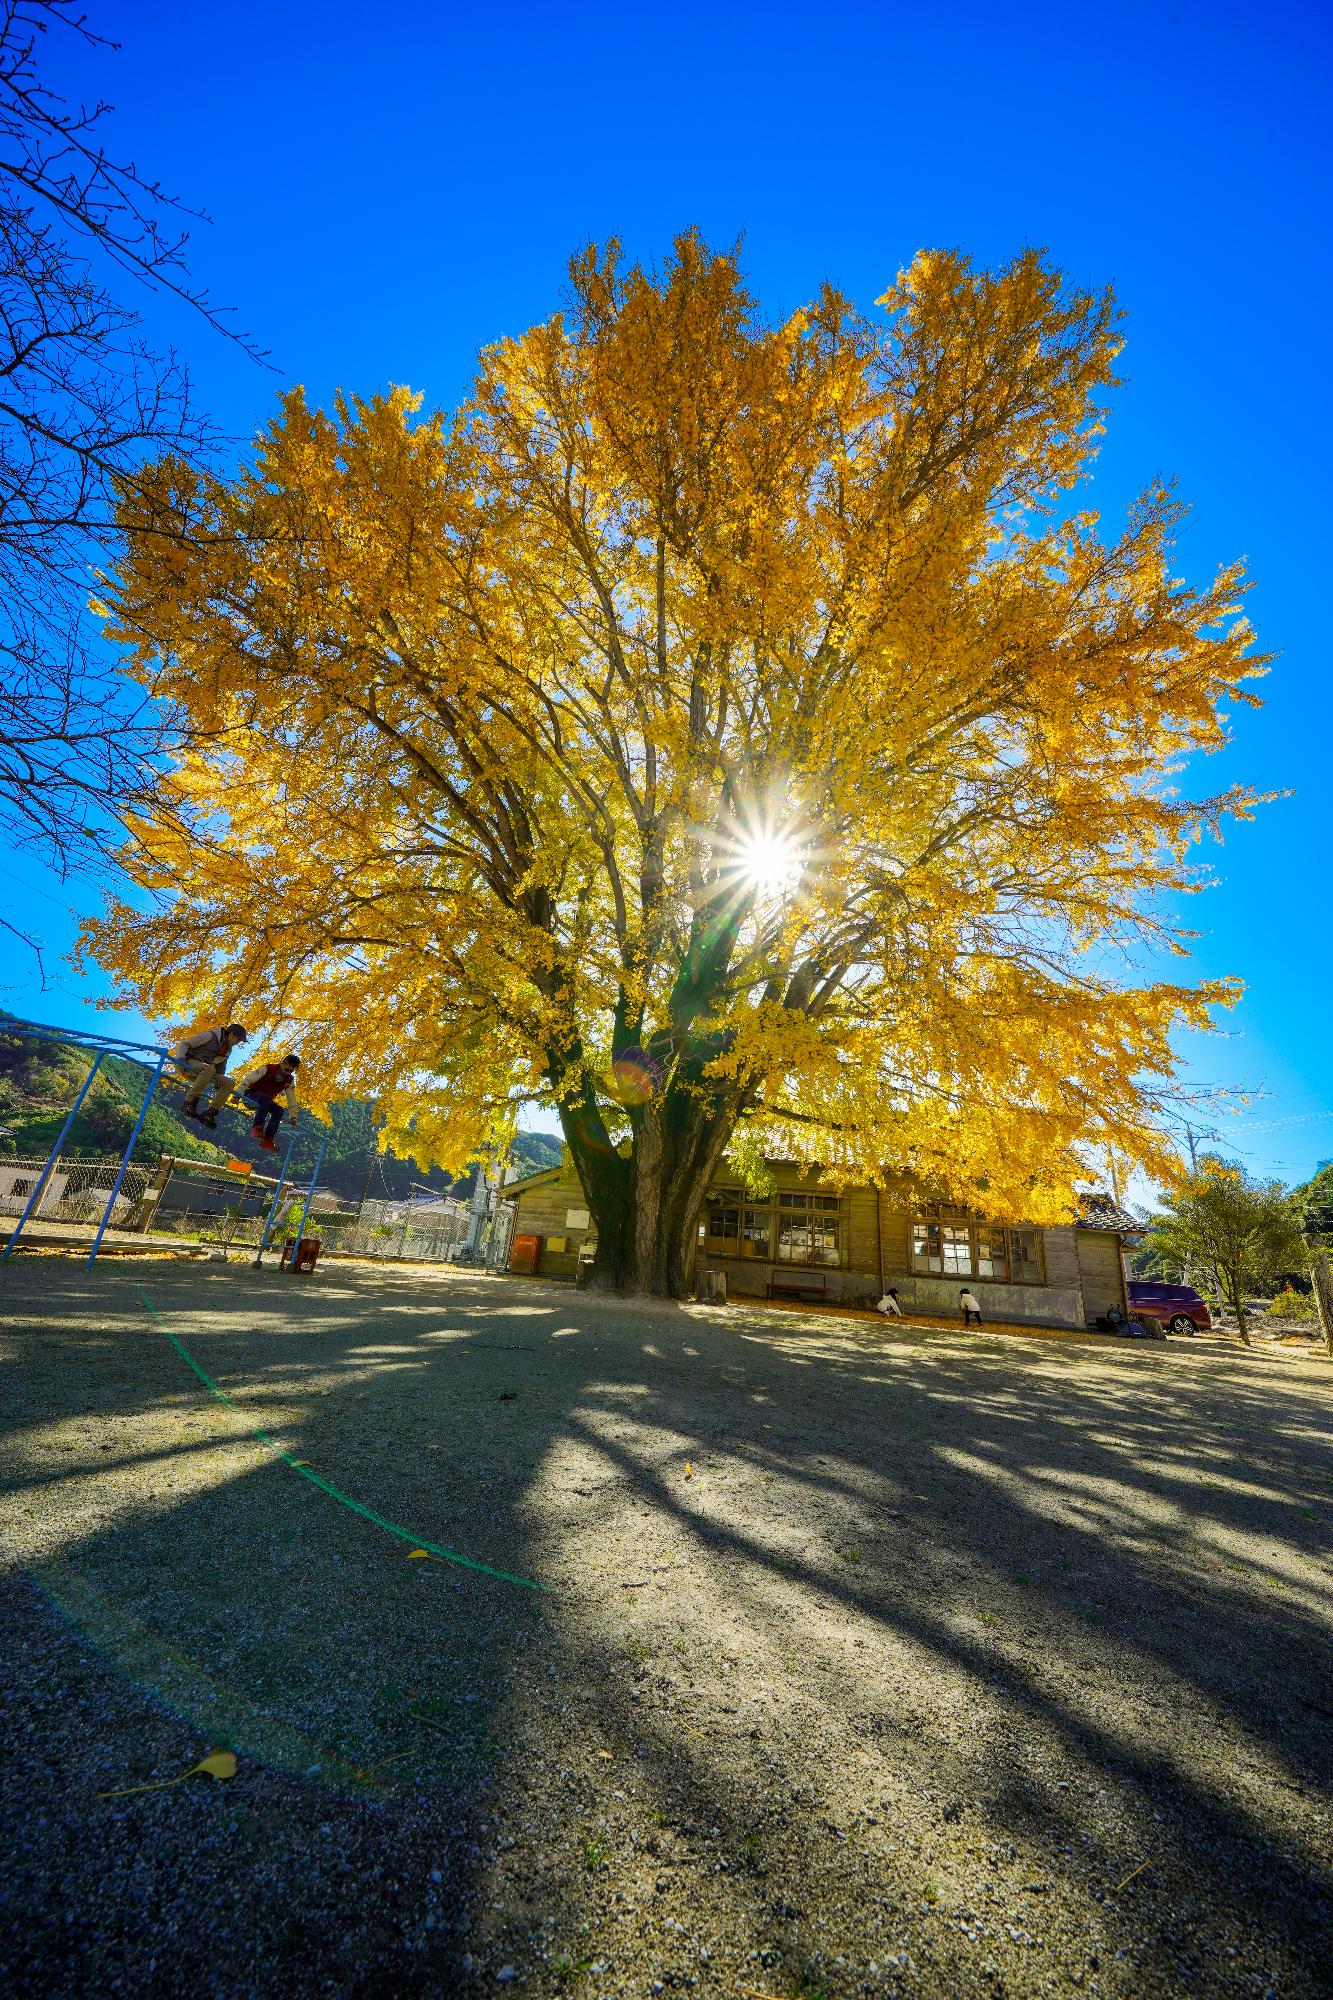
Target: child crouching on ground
(263,1090)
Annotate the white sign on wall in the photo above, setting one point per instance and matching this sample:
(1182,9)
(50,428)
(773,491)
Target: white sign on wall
(576,1218)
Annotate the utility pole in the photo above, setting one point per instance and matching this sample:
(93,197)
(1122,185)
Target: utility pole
(1323,1287)
(485,1199)
(1317,1222)
(365,1190)
(477,1213)
(370,1166)
(1194,1139)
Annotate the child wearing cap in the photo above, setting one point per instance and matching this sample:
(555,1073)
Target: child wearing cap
(204,1057)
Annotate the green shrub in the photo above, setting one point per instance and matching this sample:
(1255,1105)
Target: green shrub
(1294,1306)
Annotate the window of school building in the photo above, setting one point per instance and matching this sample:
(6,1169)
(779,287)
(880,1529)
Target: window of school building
(788,1228)
(950,1242)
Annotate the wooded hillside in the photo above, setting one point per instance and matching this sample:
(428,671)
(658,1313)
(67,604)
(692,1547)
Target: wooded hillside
(39,1082)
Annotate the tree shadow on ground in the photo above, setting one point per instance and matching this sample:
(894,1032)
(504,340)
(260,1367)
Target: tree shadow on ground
(935,1643)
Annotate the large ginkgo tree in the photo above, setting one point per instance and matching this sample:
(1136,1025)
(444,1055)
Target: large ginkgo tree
(732,733)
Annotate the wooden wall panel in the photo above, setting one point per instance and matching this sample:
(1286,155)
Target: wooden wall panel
(1101,1272)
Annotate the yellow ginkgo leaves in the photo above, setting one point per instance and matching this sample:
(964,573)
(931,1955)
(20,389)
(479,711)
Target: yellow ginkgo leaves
(743,698)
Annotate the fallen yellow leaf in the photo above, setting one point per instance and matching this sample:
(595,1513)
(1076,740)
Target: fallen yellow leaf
(412,1553)
(217,1764)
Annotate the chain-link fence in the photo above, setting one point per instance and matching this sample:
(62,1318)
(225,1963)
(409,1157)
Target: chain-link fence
(75,1191)
(424,1233)
(182,1202)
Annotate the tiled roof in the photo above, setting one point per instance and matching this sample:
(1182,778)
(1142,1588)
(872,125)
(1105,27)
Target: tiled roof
(1101,1211)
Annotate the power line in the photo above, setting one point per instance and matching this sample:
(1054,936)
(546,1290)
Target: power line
(33,890)
(1277,1124)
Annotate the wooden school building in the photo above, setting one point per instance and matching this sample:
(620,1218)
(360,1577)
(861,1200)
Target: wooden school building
(814,1242)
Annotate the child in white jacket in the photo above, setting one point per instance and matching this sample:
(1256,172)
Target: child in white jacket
(204,1057)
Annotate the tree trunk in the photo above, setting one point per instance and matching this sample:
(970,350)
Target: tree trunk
(647,1212)
(1238,1301)
(1323,1290)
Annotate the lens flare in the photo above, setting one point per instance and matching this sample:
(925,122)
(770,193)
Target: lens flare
(770,862)
(634,1077)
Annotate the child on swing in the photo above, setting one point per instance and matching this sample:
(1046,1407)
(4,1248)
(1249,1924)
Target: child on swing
(203,1057)
(262,1090)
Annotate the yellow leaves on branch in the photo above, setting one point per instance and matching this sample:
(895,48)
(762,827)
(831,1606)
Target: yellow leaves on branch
(493,714)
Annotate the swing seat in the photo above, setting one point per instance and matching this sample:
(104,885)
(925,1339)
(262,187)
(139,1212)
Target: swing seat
(302,1256)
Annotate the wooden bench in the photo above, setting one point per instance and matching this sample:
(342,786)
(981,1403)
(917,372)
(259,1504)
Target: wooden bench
(799,1285)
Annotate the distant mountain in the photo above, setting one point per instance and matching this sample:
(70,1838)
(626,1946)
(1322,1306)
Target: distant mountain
(40,1080)
(1318,1190)
(353,1165)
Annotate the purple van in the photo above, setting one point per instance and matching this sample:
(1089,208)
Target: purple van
(1178,1307)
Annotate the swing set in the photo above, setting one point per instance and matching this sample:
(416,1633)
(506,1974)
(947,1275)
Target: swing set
(100,1046)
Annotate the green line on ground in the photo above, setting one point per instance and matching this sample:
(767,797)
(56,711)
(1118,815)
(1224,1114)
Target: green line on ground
(336,1493)
(225,1718)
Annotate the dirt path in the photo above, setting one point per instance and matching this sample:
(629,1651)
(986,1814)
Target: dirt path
(950,1666)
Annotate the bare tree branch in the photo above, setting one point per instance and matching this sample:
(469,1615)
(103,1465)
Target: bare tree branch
(85,401)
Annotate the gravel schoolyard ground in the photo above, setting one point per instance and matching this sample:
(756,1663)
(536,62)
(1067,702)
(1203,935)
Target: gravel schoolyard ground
(866,1661)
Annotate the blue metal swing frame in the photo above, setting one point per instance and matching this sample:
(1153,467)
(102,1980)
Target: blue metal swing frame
(100,1046)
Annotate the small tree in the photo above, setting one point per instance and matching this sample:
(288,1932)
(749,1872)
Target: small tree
(1244,1231)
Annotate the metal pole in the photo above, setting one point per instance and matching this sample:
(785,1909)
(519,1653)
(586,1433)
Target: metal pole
(1323,1290)
(370,1165)
(277,1197)
(481,1196)
(309,1197)
(45,1175)
(153,1082)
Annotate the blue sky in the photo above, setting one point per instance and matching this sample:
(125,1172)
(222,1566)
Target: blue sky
(392,188)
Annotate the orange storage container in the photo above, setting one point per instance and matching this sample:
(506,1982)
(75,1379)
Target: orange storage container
(524,1253)
(302,1256)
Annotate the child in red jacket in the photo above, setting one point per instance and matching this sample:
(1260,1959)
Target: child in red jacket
(263,1090)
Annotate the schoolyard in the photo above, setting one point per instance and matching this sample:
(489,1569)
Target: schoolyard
(820,1657)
